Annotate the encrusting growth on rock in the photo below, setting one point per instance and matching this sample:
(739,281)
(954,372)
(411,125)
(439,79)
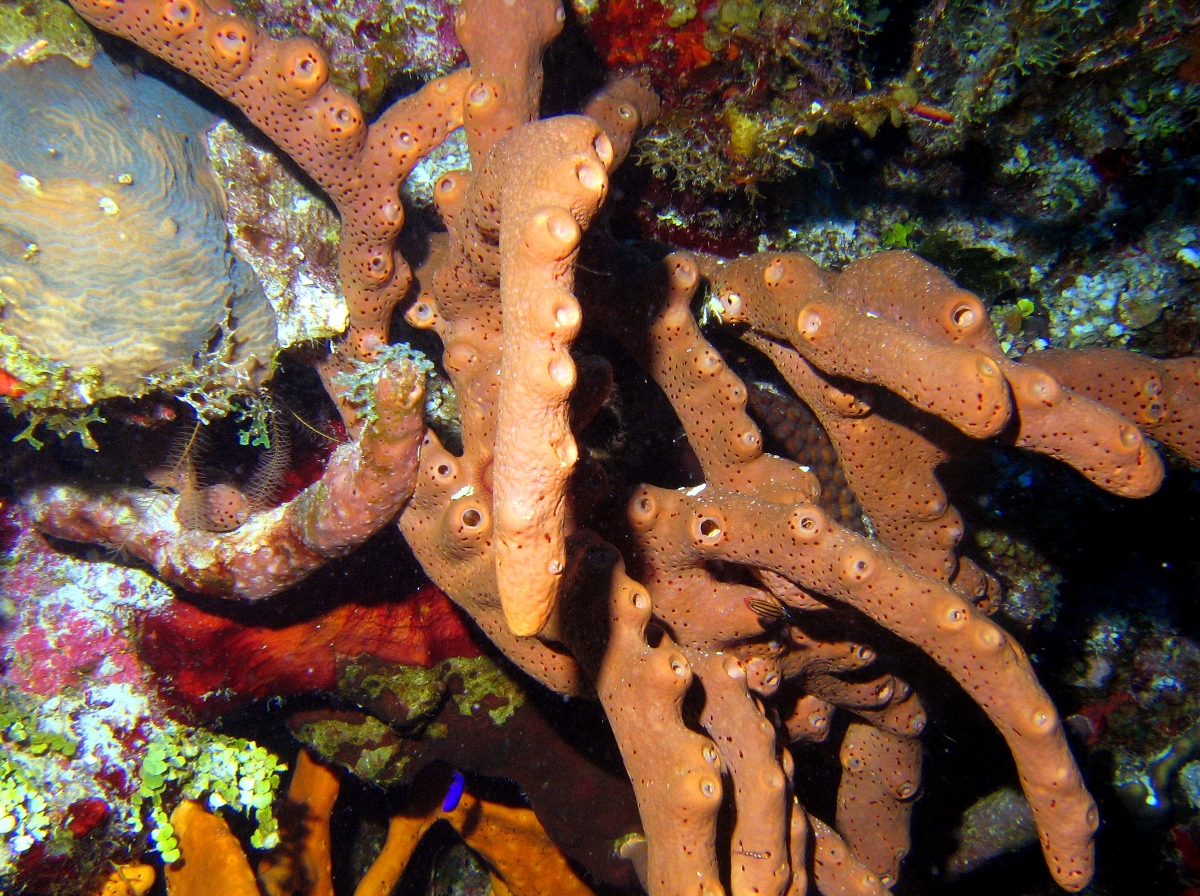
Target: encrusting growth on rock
(738,593)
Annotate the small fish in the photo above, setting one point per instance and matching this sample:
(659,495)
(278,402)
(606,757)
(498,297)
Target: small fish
(454,792)
(767,609)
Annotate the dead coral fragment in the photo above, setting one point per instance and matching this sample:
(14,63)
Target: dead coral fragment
(287,233)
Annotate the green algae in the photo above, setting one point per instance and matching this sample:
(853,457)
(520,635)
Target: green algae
(485,687)
(33,30)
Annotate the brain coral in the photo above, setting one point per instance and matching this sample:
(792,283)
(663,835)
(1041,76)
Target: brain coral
(116,277)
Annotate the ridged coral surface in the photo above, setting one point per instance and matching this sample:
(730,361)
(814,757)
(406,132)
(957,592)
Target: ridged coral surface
(114,258)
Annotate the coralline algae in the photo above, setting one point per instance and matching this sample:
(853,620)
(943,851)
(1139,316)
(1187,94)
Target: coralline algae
(84,727)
